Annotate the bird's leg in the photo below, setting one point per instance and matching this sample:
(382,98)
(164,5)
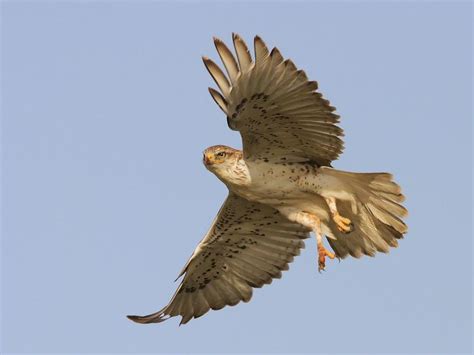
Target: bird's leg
(343,224)
(314,223)
(322,251)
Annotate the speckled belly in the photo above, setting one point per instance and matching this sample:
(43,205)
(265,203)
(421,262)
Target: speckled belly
(280,186)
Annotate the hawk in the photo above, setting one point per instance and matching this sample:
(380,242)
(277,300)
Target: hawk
(281,186)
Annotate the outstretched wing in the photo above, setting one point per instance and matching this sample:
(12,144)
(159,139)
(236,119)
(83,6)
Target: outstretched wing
(247,246)
(275,108)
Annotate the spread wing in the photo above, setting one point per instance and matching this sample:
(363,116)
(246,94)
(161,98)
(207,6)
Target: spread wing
(278,112)
(247,246)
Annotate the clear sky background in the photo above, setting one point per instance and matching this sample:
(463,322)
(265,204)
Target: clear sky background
(105,113)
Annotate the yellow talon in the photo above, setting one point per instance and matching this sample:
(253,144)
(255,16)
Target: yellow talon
(343,224)
(322,253)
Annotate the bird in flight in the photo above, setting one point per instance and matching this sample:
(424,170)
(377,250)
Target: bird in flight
(281,186)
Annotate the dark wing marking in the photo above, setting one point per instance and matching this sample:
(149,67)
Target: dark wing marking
(247,246)
(278,112)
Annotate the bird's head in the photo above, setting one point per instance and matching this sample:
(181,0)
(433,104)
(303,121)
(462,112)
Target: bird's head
(222,160)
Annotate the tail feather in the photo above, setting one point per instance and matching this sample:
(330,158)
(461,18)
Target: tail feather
(385,186)
(388,205)
(387,217)
(397,198)
(377,216)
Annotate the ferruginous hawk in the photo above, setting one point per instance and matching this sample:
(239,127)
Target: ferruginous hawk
(281,186)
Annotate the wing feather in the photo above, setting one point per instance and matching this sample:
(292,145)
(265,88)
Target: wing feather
(218,76)
(255,246)
(228,60)
(261,51)
(243,53)
(267,102)
(219,99)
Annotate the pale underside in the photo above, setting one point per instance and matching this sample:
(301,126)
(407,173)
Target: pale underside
(290,137)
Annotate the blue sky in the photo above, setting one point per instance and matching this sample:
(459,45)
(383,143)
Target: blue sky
(105,113)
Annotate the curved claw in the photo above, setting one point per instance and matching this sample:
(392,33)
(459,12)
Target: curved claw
(321,266)
(322,253)
(343,224)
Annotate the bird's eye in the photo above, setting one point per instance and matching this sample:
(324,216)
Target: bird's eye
(220,154)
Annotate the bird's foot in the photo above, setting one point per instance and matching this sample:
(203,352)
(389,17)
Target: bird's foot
(322,253)
(343,224)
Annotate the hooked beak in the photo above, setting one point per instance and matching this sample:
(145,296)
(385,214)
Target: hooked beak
(205,159)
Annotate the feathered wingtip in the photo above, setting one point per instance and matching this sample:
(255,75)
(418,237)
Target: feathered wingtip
(217,74)
(261,50)
(243,54)
(219,99)
(227,59)
(157,317)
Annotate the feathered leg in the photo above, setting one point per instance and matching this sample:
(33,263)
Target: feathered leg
(311,221)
